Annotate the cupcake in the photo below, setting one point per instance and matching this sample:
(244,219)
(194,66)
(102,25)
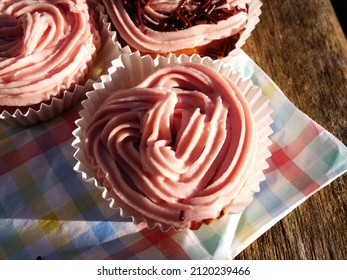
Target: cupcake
(175,142)
(47,50)
(213,28)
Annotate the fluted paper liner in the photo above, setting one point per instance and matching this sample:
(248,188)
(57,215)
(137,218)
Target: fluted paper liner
(254,18)
(128,71)
(109,50)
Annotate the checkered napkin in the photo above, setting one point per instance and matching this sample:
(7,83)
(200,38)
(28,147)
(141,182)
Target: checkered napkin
(47,211)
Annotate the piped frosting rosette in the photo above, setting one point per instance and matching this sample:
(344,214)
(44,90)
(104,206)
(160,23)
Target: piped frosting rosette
(48,51)
(175,143)
(185,26)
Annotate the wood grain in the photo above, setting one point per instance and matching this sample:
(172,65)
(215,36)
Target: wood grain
(301,46)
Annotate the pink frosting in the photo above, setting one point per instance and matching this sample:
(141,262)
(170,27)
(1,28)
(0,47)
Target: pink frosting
(46,47)
(177,148)
(145,38)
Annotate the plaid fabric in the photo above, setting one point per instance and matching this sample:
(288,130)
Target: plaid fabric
(48,211)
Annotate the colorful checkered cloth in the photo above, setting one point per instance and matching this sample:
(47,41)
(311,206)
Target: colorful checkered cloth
(48,211)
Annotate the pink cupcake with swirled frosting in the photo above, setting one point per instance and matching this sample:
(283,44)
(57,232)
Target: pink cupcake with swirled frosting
(211,28)
(47,47)
(180,149)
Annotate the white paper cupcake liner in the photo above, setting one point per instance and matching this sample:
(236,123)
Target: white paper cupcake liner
(109,50)
(128,71)
(254,13)
(254,18)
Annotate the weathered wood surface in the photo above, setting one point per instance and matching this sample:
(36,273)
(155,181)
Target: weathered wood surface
(301,46)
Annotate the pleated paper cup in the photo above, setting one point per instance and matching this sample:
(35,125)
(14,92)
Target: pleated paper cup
(128,71)
(109,50)
(254,19)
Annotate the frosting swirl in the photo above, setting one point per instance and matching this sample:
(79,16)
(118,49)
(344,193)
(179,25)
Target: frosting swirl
(177,148)
(46,47)
(166,26)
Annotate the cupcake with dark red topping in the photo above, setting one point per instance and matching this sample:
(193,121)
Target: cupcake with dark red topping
(214,28)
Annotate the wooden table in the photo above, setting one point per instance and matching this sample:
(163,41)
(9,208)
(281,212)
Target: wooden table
(307,59)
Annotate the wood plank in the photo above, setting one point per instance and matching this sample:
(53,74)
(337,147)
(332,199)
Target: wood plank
(301,46)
